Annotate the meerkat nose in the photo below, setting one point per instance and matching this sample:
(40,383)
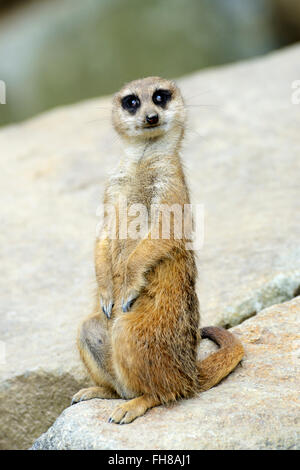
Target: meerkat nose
(152,118)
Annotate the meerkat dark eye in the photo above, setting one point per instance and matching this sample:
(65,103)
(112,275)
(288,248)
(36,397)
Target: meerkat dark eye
(161,97)
(131,103)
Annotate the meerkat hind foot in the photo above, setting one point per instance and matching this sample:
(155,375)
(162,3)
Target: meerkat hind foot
(93,392)
(132,409)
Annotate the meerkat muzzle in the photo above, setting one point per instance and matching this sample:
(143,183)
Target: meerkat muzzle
(152,119)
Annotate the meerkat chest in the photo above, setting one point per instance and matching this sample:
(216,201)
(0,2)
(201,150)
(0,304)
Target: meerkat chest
(137,186)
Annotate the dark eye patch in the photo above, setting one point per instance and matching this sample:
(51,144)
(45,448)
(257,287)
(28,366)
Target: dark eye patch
(131,103)
(161,97)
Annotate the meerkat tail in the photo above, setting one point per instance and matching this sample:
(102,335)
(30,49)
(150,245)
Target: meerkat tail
(219,364)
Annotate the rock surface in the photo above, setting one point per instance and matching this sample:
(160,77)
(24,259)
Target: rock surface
(244,167)
(256,407)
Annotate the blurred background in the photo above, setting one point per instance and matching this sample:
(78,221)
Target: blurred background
(54,52)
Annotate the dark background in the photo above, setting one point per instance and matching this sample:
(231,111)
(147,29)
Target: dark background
(54,52)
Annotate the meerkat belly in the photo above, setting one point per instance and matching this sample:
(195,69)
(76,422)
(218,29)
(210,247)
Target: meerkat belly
(157,336)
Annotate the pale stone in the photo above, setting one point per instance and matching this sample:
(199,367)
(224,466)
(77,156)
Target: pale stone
(256,407)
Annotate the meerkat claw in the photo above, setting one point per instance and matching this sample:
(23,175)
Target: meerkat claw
(126,306)
(107,308)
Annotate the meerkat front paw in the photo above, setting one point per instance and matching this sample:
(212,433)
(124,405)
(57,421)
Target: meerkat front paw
(106,302)
(107,306)
(128,299)
(133,284)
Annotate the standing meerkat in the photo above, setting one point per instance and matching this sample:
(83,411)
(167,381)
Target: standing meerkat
(141,341)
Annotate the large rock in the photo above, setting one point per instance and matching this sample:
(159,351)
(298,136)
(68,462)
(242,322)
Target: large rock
(244,168)
(256,407)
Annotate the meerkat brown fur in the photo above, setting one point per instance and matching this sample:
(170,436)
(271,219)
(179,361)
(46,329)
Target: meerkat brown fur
(140,343)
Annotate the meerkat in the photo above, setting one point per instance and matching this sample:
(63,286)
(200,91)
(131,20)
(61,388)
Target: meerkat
(140,343)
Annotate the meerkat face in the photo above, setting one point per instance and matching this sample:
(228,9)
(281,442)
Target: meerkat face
(148,108)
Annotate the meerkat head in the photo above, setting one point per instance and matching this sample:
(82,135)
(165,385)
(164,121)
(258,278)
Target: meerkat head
(148,109)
